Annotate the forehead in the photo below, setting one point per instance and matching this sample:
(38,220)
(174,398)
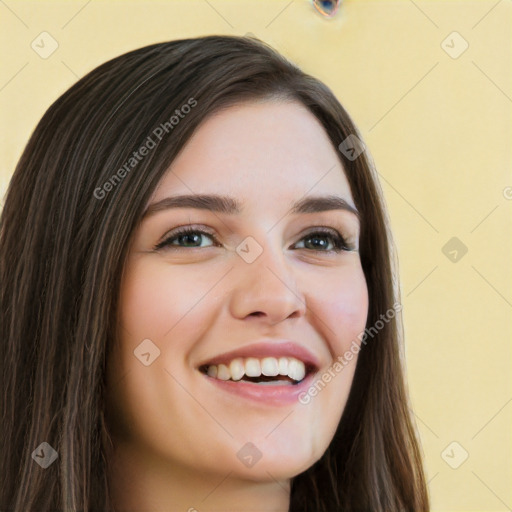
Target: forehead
(264,151)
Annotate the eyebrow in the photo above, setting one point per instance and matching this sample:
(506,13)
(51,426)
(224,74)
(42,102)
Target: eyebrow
(231,206)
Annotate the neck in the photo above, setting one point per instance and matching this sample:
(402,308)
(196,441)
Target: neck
(138,482)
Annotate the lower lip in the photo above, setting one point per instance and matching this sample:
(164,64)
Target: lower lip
(264,394)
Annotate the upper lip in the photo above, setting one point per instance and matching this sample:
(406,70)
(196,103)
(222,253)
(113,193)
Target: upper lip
(267,348)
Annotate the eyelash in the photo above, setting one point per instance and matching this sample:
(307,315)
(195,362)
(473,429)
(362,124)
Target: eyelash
(338,241)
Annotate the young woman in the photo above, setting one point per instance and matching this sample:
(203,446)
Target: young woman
(198,302)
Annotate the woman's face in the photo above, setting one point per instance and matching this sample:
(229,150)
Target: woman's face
(250,290)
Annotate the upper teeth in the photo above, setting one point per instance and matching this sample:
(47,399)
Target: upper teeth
(252,367)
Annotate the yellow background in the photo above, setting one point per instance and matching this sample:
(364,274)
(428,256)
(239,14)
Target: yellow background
(439,130)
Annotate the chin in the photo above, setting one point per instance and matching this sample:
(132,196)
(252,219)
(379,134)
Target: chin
(269,462)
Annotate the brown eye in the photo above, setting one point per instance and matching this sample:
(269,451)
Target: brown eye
(325,240)
(187,237)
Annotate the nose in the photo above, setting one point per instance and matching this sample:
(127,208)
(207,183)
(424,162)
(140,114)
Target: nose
(266,289)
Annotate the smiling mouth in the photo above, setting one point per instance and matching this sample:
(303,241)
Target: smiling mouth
(270,371)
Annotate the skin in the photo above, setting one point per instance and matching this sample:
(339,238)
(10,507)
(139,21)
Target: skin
(176,436)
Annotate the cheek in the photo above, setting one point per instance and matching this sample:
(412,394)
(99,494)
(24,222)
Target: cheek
(170,307)
(340,307)
(155,298)
(338,311)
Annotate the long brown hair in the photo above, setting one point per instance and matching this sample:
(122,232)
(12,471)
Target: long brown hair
(64,237)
